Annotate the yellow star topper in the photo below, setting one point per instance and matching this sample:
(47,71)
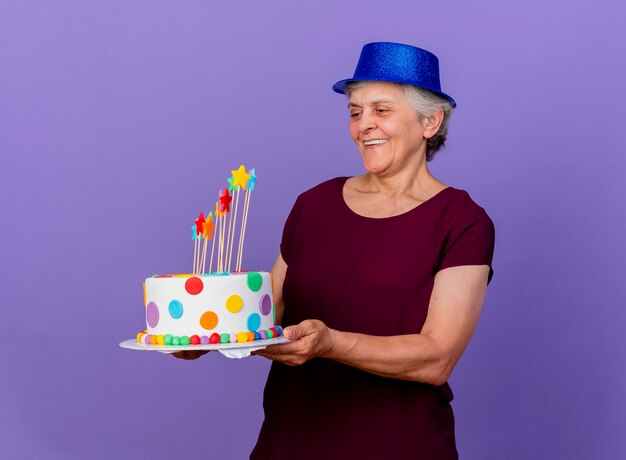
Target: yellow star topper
(241,177)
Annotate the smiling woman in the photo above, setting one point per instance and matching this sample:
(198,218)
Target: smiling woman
(380,309)
(425,104)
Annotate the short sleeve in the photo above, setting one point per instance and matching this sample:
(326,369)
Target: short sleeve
(471,242)
(289,231)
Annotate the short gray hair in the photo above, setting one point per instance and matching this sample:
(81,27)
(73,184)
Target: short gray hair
(426,104)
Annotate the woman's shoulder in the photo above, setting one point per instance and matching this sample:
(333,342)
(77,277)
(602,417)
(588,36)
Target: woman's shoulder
(459,206)
(324,190)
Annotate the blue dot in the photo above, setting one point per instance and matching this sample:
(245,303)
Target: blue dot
(176,309)
(254,322)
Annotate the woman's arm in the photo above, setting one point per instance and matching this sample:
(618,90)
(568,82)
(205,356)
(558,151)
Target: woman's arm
(278,278)
(428,357)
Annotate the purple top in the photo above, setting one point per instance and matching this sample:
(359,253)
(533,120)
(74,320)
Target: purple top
(372,276)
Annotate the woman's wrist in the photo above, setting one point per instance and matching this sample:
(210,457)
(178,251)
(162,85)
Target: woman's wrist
(337,344)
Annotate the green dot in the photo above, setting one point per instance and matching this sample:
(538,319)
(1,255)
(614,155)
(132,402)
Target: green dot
(175,340)
(255,281)
(167,339)
(184,340)
(224,338)
(270,334)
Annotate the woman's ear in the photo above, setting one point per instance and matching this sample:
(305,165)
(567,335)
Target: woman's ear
(431,124)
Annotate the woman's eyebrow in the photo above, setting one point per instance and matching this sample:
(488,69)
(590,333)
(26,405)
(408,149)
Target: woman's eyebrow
(376,102)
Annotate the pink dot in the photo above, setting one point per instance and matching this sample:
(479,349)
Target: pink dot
(265,305)
(152,314)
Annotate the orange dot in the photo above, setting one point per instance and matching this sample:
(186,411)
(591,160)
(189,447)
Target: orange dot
(250,336)
(153,340)
(208,320)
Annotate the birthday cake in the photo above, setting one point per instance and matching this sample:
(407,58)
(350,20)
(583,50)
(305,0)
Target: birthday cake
(212,307)
(208,309)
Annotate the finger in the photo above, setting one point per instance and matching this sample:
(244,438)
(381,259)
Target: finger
(292,332)
(303,329)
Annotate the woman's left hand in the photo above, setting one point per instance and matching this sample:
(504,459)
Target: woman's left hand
(310,339)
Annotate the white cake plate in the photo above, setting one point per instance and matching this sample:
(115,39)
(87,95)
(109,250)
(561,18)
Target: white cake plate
(230,350)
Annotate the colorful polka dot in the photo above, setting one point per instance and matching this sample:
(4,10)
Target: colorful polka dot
(167,339)
(184,340)
(194,285)
(215,338)
(194,340)
(254,322)
(175,340)
(255,281)
(224,338)
(242,337)
(160,339)
(250,336)
(204,340)
(208,320)
(176,309)
(263,334)
(152,314)
(265,304)
(234,303)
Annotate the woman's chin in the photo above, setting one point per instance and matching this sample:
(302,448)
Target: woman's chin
(375,167)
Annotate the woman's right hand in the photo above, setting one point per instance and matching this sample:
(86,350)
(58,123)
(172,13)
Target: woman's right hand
(189,354)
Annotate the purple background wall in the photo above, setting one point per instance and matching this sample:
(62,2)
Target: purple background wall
(119,120)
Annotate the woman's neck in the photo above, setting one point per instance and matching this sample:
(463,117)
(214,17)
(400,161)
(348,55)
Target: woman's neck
(416,182)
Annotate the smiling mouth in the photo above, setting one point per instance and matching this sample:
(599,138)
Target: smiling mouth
(375,142)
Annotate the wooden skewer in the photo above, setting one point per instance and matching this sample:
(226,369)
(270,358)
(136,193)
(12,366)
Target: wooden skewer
(195,253)
(219,244)
(212,249)
(245,224)
(232,236)
(203,264)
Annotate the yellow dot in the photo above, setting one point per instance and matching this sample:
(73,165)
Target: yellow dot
(234,303)
(208,320)
(160,340)
(242,337)
(140,336)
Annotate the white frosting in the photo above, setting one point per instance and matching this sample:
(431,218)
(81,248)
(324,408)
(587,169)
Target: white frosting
(162,295)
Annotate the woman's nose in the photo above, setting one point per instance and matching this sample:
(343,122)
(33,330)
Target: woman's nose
(366,123)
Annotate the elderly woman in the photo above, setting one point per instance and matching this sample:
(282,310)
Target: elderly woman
(380,281)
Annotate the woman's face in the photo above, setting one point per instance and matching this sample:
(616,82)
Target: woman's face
(385,128)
